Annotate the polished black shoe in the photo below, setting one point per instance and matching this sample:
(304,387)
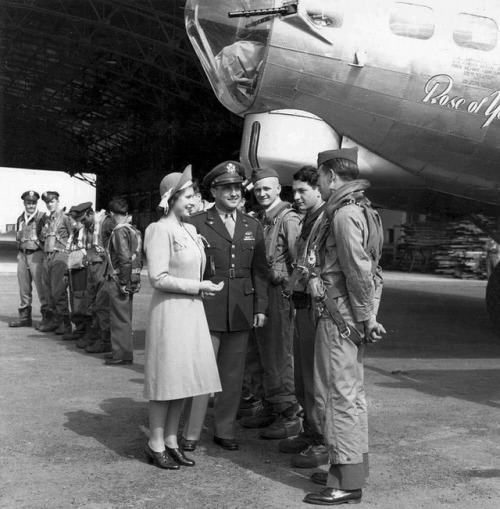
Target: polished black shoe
(227,443)
(319,478)
(188,445)
(160,459)
(332,496)
(179,457)
(117,362)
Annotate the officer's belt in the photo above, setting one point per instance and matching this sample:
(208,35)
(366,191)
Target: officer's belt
(233,274)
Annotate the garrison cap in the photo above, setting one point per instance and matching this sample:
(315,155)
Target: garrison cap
(229,172)
(30,195)
(49,195)
(81,209)
(262,173)
(351,154)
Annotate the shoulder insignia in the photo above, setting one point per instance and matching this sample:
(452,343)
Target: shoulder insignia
(250,217)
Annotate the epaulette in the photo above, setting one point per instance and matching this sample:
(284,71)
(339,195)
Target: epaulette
(251,217)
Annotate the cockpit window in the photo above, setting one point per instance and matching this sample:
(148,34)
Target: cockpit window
(412,20)
(325,13)
(475,32)
(231,49)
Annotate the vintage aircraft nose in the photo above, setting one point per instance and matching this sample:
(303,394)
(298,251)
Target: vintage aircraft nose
(231,49)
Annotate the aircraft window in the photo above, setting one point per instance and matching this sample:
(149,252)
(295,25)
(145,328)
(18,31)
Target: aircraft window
(475,32)
(411,20)
(325,13)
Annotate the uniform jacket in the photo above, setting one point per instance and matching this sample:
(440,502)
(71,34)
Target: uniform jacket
(346,268)
(283,253)
(122,246)
(241,263)
(28,235)
(56,231)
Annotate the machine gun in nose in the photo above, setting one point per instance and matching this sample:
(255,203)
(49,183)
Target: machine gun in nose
(286,9)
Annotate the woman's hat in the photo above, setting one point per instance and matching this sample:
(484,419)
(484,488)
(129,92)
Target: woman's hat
(174,182)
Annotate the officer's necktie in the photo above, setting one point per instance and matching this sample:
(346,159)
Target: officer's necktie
(229,223)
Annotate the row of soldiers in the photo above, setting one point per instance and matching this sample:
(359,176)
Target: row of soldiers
(86,267)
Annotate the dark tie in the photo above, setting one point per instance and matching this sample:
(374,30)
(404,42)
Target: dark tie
(229,223)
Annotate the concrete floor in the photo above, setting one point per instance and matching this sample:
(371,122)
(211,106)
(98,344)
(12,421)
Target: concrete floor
(72,429)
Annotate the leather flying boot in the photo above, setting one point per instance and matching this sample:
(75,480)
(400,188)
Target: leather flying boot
(46,318)
(102,345)
(262,418)
(24,319)
(76,334)
(296,444)
(248,407)
(89,338)
(314,456)
(282,427)
(52,325)
(64,327)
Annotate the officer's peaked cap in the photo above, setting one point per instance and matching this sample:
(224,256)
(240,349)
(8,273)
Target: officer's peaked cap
(229,172)
(30,195)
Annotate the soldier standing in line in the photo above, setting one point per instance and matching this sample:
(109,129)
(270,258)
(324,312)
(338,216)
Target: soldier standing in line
(346,284)
(55,234)
(93,310)
(123,273)
(278,415)
(308,447)
(29,258)
(77,278)
(235,255)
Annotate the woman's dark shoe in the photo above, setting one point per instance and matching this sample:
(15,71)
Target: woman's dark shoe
(179,457)
(188,445)
(160,459)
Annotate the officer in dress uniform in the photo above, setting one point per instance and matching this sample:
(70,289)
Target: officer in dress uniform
(236,255)
(55,233)
(29,258)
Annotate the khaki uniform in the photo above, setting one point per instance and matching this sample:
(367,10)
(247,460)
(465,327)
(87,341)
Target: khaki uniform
(340,401)
(55,233)
(275,339)
(30,260)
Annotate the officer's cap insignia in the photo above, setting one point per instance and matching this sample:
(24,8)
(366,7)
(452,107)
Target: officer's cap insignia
(31,193)
(231,168)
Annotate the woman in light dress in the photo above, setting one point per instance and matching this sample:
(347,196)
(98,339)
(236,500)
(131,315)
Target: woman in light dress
(180,362)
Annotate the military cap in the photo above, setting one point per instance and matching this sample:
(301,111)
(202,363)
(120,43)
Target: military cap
(262,173)
(229,172)
(30,195)
(351,154)
(81,209)
(49,195)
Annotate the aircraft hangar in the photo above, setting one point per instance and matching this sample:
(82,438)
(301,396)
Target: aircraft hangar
(110,87)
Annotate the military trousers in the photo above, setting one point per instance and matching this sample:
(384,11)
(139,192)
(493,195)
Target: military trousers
(340,404)
(230,350)
(303,358)
(29,271)
(275,342)
(120,323)
(55,283)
